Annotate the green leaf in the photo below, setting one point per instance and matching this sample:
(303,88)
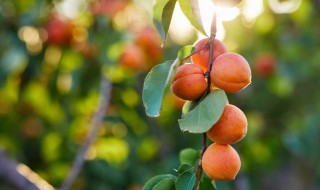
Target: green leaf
(156,84)
(162,14)
(206,184)
(165,184)
(185,167)
(150,185)
(205,114)
(186,181)
(187,106)
(185,51)
(189,156)
(190,9)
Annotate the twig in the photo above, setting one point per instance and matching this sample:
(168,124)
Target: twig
(95,126)
(11,176)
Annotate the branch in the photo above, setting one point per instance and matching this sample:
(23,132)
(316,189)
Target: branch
(204,142)
(19,176)
(95,126)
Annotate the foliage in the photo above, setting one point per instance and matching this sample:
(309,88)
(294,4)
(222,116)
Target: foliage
(49,92)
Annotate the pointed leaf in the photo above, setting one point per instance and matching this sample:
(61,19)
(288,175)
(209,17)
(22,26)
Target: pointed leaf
(206,184)
(189,156)
(162,14)
(156,180)
(185,167)
(190,9)
(187,106)
(165,184)
(185,51)
(186,181)
(155,86)
(205,114)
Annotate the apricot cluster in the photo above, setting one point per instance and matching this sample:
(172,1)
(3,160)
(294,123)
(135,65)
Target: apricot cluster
(231,73)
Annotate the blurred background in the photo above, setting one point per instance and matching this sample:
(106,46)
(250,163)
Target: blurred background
(52,57)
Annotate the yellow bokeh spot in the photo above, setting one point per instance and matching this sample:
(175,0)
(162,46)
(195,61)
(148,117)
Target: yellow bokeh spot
(265,23)
(50,147)
(148,149)
(112,149)
(130,97)
(260,152)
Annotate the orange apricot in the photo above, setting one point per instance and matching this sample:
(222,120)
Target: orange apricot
(202,57)
(150,41)
(221,162)
(231,127)
(189,82)
(230,72)
(265,64)
(59,30)
(133,57)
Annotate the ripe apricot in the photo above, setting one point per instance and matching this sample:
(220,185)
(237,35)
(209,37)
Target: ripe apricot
(230,72)
(231,127)
(150,41)
(221,162)
(133,57)
(265,64)
(189,82)
(108,7)
(202,57)
(59,30)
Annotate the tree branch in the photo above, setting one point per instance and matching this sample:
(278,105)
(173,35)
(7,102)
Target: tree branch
(19,176)
(95,126)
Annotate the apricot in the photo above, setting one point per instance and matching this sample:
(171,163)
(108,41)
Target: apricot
(59,30)
(189,82)
(108,7)
(230,72)
(265,64)
(150,41)
(202,57)
(221,162)
(231,127)
(133,58)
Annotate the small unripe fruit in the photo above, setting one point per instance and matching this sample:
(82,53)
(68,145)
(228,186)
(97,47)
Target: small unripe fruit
(230,72)
(202,57)
(189,82)
(231,127)
(221,162)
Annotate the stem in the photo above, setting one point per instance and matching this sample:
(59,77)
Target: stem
(95,126)
(207,74)
(188,57)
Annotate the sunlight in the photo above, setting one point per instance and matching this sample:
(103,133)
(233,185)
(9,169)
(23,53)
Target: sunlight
(252,9)
(284,7)
(227,14)
(180,29)
(70,8)
(33,177)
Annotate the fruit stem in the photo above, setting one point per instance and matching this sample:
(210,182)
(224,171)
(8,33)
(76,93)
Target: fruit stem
(211,56)
(207,74)
(188,57)
(199,168)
